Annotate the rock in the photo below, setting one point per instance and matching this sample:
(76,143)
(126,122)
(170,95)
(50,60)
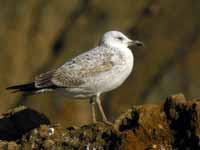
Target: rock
(145,126)
(19,121)
(184,121)
(172,125)
(98,136)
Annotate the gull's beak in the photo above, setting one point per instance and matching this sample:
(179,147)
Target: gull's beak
(135,43)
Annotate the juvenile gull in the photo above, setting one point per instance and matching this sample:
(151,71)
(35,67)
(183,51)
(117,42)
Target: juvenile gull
(90,74)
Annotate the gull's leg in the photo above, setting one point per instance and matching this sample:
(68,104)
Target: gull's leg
(92,104)
(101,110)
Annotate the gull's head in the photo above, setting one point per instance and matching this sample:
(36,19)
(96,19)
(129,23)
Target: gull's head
(118,40)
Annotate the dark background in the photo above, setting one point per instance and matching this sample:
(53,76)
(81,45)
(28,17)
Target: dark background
(39,35)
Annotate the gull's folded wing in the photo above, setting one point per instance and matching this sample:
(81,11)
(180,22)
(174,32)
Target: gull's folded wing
(73,73)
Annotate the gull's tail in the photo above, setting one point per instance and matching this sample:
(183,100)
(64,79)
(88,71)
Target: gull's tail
(26,88)
(42,83)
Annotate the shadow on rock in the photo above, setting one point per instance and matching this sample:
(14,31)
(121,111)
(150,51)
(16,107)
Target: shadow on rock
(19,121)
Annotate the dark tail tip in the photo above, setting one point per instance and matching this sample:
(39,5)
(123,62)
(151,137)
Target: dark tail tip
(30,87)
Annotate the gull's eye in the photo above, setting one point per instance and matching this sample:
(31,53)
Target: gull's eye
(120,38)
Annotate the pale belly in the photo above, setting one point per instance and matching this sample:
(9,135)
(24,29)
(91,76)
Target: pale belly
(103,83)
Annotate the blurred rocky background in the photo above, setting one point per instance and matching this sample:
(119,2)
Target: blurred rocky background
(40,35)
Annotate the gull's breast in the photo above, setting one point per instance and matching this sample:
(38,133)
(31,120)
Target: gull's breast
(109,80)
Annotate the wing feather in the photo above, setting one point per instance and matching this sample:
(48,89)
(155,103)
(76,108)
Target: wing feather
(44,80)
(74,73)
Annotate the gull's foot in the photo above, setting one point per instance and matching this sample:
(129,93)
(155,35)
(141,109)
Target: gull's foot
(108,122)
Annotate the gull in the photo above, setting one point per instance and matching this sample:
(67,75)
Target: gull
(88,75)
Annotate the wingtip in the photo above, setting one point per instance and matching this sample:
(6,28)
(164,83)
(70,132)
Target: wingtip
(8,88)
(21,88)
(12,90)
(12,87)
